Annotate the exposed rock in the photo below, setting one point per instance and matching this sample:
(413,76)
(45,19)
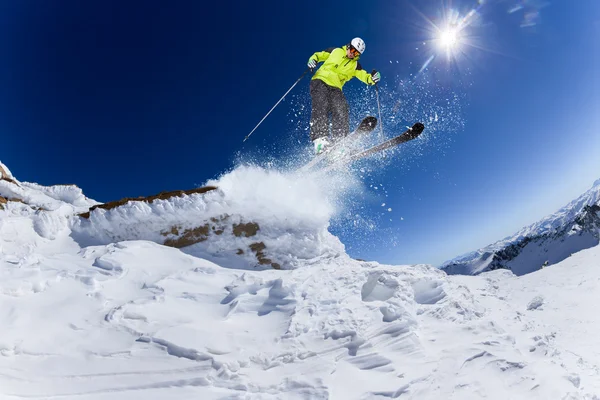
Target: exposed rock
(4,200)
(189,237)
(246,230)
(174,231)
(214,232)
(219,226)
(259,249)
(148,199)
(179,237)
(5,176)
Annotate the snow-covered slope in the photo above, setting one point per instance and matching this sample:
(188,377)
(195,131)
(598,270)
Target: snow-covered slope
(572,228)
(138,319)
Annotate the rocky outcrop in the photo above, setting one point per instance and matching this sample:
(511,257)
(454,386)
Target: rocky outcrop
(178,237)
(242,220)
(5,176)
(192,230)
(259,249)
(38,197)
(147,199)
(187,237)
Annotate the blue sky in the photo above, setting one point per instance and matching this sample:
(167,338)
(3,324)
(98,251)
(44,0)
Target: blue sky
(130,98)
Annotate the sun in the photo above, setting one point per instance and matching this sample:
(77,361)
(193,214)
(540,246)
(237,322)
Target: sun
(453,36)
(449,38)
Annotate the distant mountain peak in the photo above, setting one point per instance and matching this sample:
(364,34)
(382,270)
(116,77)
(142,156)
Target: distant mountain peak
(555,237)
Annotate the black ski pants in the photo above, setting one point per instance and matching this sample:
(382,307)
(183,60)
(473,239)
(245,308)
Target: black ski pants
(328,100)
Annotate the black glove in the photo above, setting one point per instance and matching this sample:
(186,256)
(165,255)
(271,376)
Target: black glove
(376,76)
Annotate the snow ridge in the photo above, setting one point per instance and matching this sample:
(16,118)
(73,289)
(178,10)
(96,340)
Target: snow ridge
(574,227)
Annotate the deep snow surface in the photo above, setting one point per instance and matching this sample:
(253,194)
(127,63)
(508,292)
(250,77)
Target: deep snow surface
(135,319)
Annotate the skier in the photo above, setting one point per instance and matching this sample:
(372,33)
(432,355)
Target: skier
(339,66)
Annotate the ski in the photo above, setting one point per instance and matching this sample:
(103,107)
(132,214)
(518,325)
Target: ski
(366,126)
(408,135)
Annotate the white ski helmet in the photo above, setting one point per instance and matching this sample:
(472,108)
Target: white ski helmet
(358,44)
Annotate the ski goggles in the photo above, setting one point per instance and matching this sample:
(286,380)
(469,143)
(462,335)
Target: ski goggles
(353,50)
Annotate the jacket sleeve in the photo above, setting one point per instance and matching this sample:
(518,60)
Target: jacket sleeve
(363,75)
(321,56)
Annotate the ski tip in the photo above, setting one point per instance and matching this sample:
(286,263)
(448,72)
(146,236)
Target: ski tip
(418,127)
(416,130)
(368,124)
(370,121)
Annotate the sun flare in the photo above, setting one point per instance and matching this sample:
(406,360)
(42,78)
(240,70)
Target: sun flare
(449,38)
(454,37)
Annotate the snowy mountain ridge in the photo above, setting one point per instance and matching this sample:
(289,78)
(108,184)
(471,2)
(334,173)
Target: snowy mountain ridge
(574,227)
(151,298)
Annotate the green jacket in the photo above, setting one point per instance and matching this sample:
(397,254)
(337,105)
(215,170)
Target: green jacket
(337,68)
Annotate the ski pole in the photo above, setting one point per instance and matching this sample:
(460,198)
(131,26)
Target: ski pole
(379,108)
(276,104)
